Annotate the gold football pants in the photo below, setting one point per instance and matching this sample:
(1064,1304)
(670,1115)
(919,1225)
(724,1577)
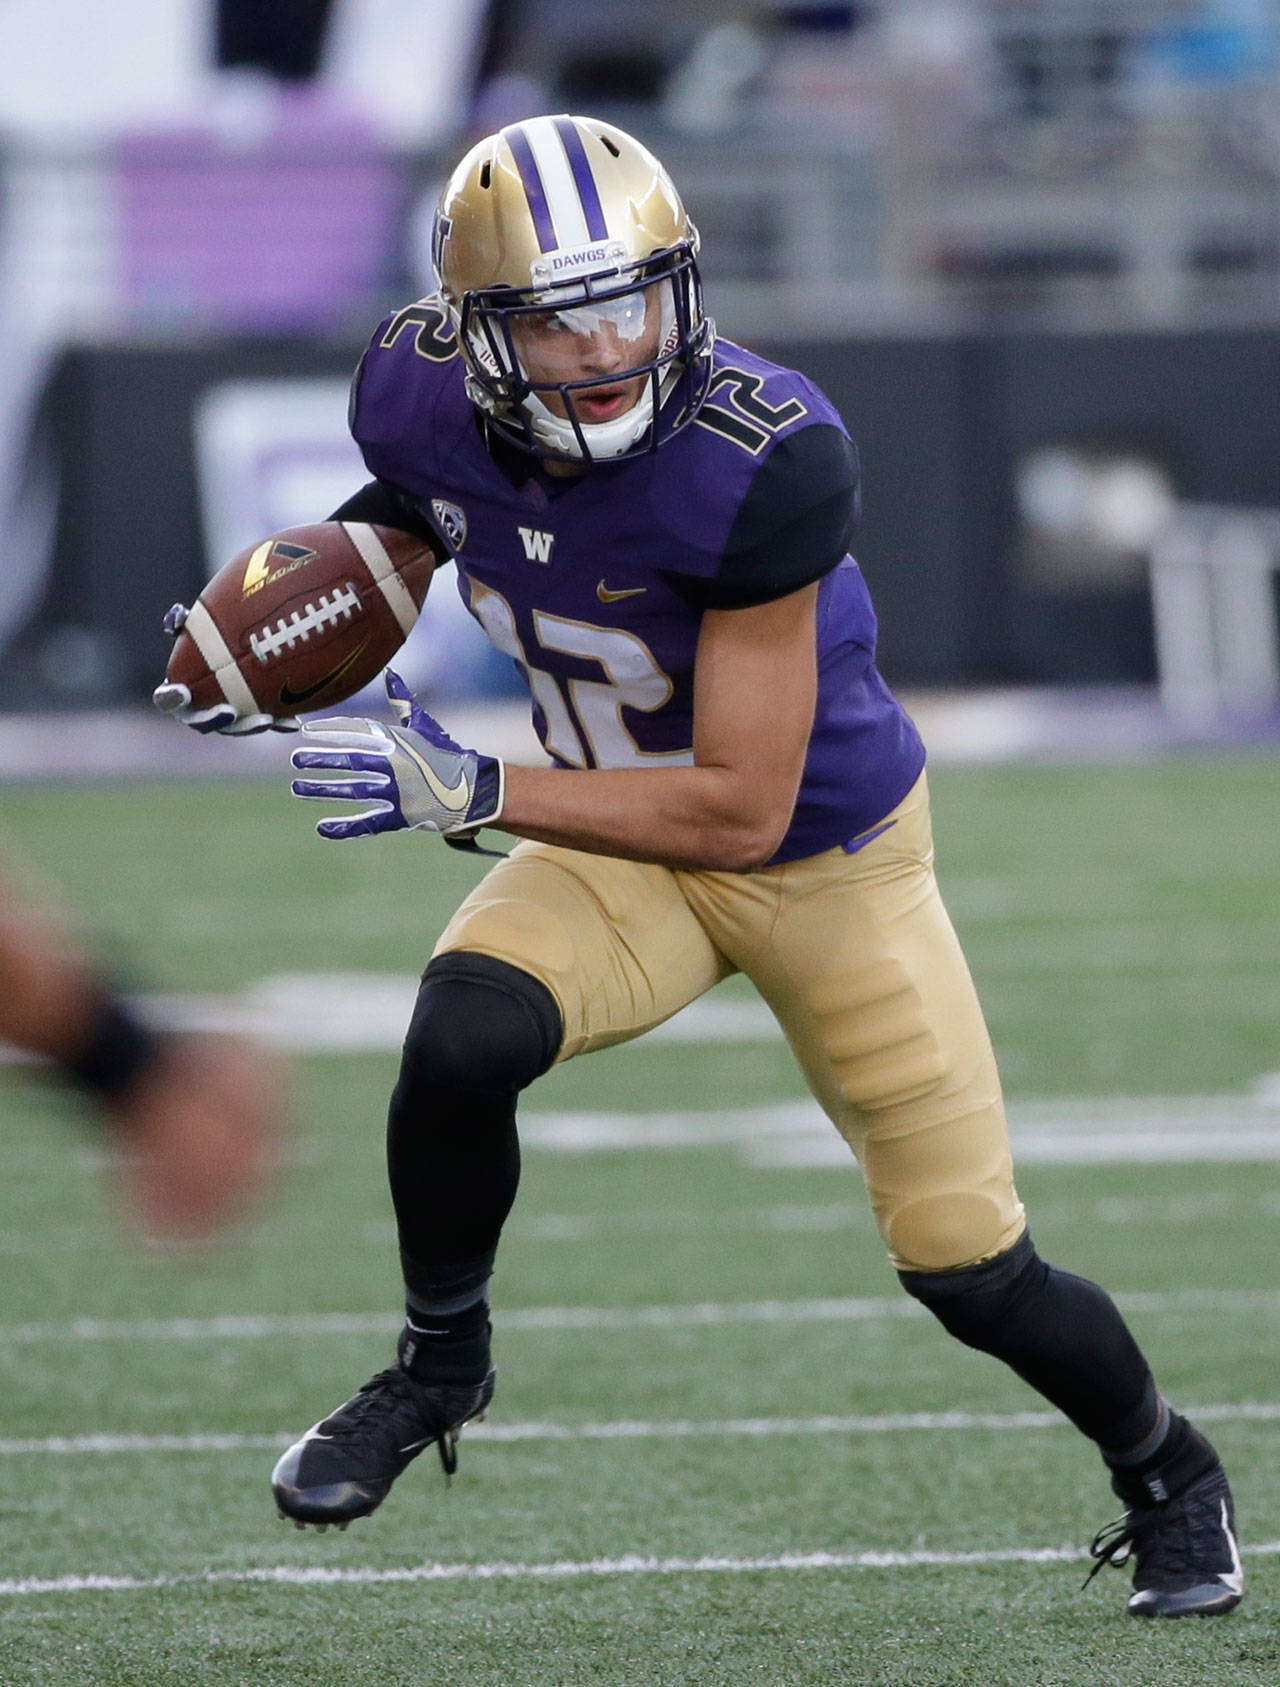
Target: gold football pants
(855,955)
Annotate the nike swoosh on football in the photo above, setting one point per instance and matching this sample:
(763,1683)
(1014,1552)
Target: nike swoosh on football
(292,699)
(606,596)
(453,798)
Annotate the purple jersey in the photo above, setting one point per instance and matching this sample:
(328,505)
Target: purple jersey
(595,585)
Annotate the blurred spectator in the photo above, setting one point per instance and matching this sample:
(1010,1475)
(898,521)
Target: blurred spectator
(706,93)
(406,67)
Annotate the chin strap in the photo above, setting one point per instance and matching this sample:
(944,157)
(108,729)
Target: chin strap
(603,439)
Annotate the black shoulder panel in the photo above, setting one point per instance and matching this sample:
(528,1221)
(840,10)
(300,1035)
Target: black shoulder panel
(794,525)
(385,505)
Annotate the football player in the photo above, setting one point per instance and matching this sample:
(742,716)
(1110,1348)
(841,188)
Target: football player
(655,526)
(195,1118)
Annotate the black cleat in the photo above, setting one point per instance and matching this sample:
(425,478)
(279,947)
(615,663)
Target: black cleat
(343,1467)
(1185,1559)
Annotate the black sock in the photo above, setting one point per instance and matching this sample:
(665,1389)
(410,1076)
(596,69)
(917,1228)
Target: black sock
(446,1347)
(1182,1456)
(1059,1332)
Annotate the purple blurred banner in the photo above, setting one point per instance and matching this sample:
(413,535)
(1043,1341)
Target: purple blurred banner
(293,230)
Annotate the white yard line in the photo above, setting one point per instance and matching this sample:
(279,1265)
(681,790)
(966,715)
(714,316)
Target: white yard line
(633,1564)
(841,1310)
(629,1429)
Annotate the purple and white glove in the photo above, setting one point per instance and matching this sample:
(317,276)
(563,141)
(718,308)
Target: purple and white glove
(412,775)
(175,700)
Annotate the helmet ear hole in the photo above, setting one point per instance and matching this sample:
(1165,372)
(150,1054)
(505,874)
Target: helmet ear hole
(486,174)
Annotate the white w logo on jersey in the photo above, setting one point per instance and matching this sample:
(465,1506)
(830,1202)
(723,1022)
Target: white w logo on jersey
(537,545)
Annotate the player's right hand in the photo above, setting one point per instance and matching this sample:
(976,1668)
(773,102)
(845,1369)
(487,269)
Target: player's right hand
(175,700)
(412,775)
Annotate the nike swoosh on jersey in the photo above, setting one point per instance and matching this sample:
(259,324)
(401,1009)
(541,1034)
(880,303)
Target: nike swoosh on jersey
(292,699)
(606,596)
(855,844)
(455,798)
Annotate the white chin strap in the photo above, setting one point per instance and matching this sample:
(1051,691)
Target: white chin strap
(603,439)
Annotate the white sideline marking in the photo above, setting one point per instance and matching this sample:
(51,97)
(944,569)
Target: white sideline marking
(1063,1131)
(631,1429)
(633,1564)
(834,1310)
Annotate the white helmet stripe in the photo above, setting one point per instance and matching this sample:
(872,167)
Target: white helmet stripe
(563,199)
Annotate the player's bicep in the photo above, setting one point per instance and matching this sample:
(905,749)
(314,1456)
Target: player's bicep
(755,691)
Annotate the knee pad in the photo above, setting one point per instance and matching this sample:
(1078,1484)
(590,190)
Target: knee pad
(976,1302)
(481,1025)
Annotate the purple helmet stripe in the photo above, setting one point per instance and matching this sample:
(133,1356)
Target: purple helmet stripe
(534,191)
(584,181)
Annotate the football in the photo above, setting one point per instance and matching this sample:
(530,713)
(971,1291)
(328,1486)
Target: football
(303,619)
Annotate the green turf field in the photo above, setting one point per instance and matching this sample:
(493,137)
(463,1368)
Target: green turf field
(722,1450)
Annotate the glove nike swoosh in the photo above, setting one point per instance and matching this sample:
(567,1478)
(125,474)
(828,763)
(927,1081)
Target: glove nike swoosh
(455,798)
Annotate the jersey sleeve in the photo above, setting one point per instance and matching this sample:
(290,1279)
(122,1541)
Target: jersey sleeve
(385,505)
(794,525)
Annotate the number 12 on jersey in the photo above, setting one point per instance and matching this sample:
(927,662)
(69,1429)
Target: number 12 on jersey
(584,725)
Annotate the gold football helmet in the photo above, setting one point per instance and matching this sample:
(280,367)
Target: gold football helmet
(570,217)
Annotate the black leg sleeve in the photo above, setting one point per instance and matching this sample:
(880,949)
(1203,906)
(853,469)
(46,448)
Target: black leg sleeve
(1060,1333)
(481,1030)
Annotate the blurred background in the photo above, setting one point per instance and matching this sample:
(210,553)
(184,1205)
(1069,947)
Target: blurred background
(1030,247)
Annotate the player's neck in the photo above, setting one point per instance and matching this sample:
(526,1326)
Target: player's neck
(558,467)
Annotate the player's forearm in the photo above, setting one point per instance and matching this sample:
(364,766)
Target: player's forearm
(708,818)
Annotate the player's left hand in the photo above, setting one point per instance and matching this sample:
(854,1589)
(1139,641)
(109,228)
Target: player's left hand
(412,774)
(175,701)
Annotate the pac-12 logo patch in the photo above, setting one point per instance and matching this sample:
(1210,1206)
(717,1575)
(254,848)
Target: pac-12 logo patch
(452,521)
